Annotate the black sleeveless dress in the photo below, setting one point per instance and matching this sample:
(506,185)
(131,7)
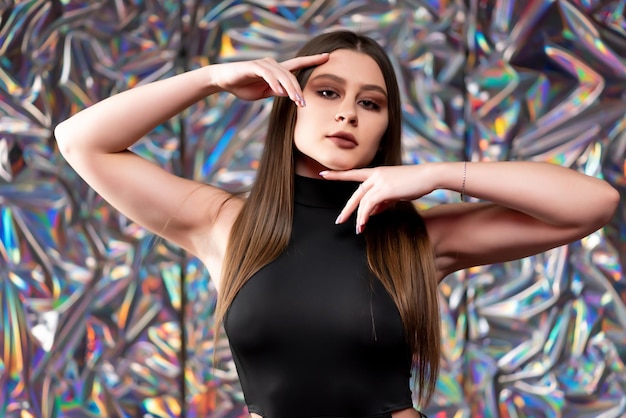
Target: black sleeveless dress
(314,333)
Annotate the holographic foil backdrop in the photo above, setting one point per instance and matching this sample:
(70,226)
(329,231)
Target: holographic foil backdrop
(101,319)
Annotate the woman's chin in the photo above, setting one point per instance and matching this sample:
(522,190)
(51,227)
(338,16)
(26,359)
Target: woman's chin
(312,168)
(341,166)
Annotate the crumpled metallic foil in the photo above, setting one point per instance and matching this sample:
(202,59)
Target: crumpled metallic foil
(102,319)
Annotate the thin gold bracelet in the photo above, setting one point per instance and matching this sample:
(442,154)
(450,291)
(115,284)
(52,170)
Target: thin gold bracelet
(463,184)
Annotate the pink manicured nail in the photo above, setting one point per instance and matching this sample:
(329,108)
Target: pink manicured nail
(339,219)
(323,173)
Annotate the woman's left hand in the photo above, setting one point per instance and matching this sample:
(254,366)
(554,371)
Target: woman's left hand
(379,187)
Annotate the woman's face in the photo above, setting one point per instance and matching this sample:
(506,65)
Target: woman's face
(345,114)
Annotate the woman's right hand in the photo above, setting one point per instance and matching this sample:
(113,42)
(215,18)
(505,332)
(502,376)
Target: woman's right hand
(258,79)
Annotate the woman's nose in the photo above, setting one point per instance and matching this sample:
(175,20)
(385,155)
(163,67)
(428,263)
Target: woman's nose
(348,115)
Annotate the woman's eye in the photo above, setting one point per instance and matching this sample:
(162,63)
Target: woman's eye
(368,104)
(328,94)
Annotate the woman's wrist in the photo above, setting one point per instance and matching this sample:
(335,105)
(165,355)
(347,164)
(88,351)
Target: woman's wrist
(208,79)
(449,176)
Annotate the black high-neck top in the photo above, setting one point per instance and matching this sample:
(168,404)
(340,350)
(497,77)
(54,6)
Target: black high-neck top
(314,333)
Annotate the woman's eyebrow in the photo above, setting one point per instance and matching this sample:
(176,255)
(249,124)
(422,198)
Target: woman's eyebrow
(342,81)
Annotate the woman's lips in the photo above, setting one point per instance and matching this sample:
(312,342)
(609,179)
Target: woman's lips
(343,140)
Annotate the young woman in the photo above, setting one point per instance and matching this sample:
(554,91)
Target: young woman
(327,274)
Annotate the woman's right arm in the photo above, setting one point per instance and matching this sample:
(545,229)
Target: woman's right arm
(95,143)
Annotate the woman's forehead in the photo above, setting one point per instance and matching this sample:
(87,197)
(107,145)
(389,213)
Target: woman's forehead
(351,66)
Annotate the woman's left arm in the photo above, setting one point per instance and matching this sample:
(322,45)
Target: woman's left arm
(528,207)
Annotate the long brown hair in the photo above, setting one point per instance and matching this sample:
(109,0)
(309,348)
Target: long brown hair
(398,250)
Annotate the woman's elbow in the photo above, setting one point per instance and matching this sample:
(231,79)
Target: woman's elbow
(606,204)
(613,200)
(60,137)
(65,141)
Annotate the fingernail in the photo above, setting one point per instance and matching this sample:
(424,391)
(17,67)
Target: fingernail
(358,229)
(323,173)
(339,219)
